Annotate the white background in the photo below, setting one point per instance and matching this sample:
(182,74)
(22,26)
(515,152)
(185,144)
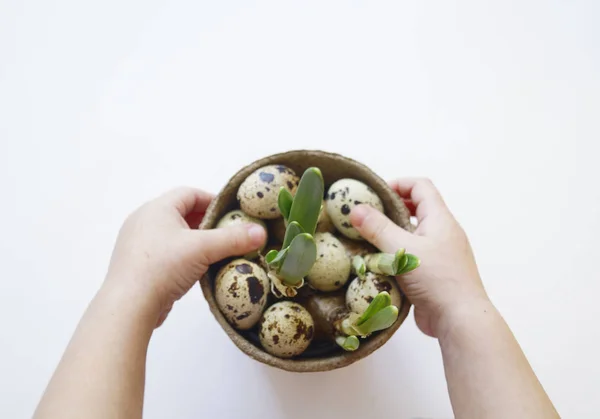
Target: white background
(105,104)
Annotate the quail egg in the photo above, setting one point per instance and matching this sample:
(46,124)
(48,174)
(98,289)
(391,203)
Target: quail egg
(344,195)
(258,193)
(241,290)
(286,329)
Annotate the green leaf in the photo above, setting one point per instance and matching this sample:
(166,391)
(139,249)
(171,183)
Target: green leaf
(399,261)
(381,320)
(381,301)
(348,343)
(359,266)
(300,258)
(279,258)
(412,264)
(386,263)
(308,199)
(270,256)
(380,263)
(292,230)
(284,202)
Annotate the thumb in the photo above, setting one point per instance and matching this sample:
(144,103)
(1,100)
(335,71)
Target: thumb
(216,244)
(376,228)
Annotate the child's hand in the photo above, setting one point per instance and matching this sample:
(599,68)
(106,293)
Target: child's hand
(160,254)
(448,277)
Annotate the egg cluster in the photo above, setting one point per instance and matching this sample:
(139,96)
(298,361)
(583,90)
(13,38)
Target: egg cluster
(243,286)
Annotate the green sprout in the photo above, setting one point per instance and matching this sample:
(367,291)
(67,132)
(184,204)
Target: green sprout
(359,266)
(381,301)
(348,343)
(380,315)
(289,265)
(392,264)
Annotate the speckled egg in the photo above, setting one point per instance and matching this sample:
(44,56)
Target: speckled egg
(356,247)
(241,290)
(344,195)
(361,292)
(258,194)
(238,217)
(286,329)
(324,224)
(332,267)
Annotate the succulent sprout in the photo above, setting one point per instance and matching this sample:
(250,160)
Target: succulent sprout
(258,194)
(239,217)
(344,195)
(334,319)
(373,300)
(359,266)
(379,315)
(241,291)
(298,253)
(348,343)
(392,264)
(286,329)
(324,225)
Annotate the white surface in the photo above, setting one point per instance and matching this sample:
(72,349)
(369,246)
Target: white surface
(104,105)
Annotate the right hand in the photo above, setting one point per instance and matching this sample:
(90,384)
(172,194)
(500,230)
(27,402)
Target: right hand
(448,278)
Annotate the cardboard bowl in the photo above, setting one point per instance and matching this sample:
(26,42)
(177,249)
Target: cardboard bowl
(333,166)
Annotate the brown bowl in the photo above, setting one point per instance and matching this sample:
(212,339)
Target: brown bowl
(333,167)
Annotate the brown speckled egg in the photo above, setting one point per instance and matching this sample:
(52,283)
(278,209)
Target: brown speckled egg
(286,329)
(344,195)
(258,193)
(241,290)
(332,267)
(238,217)
(361,292)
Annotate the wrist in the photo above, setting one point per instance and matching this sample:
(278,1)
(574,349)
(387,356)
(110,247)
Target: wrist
(464,315)
(128,302)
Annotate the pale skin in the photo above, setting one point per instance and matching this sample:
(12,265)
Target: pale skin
(160,255)
(487,373)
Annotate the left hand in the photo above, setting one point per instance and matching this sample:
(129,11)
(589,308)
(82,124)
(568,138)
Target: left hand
(160,253)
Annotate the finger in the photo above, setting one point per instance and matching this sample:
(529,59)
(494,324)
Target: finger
(213,245)
(163,316)
(193,219)
(410,205)
(402,186)
(187,200)
(425,197)
(376,228)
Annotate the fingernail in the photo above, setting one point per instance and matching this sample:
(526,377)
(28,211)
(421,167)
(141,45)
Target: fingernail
(256,234)
(358,214)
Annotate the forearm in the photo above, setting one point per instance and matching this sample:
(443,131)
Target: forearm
(101,374)
(488,375)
